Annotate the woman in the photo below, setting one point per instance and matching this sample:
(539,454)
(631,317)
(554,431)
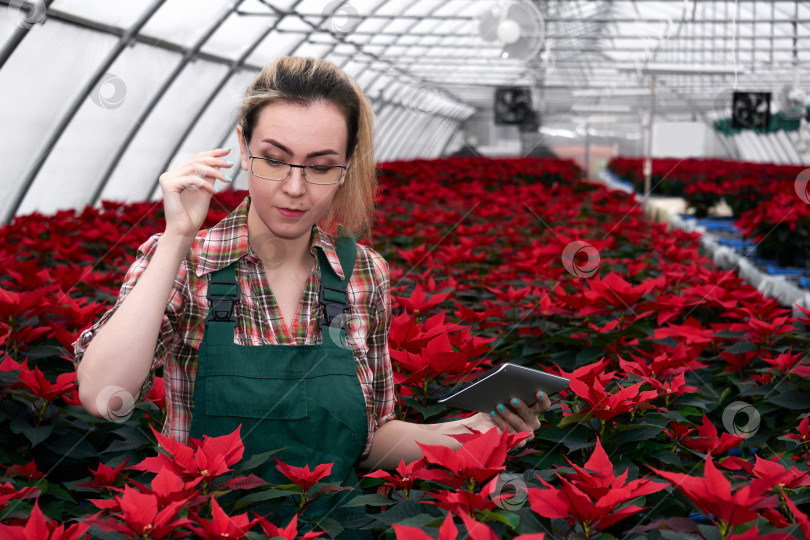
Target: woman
(252,332)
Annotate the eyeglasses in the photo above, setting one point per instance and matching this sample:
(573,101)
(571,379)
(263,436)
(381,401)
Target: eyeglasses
(275,169)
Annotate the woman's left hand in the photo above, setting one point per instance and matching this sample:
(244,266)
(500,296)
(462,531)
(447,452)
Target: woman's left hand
(515,413)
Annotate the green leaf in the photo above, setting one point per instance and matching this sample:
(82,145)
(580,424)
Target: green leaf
(371,499)
(510,519)
(793,399)
(255,461)
(403,510)
(36,435)
(589,355)
(266,495)
(635,435)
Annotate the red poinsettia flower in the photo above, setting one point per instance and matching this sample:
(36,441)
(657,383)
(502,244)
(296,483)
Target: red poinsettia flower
(789,363)
(9,493)
(141,514)
(419,303)
(221,525)
(28,471)
(290,532)
(36,382)
(604,405)
(614,291)
(708,442)
(302,476)
(207,459)
(40,527)
(593,499)
(481,456)
(404,475)
(712,494)
(106,476)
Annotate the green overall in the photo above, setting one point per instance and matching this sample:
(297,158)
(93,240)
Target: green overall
(305,398)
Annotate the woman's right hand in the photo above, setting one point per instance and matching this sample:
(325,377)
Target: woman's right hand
(187,191)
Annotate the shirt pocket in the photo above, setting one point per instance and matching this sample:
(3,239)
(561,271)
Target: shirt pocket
(232,392)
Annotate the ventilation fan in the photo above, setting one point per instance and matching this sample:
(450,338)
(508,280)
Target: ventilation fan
(751,110)
(517,25)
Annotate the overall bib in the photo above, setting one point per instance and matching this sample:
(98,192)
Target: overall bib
(305,398)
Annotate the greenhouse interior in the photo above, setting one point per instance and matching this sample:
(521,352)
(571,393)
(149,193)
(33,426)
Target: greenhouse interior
(565,244)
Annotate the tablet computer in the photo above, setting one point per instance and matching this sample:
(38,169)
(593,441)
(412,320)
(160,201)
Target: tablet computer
(499,385)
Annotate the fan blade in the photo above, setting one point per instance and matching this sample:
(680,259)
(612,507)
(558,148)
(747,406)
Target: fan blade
(488,24)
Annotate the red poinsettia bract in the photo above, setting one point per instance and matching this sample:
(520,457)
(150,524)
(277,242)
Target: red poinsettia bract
(592,496)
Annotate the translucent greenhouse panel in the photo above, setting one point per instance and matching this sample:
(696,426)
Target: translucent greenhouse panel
(315,50)
(37,84)
(184,22)
(217,128)
(120,14)
(274,45)
(145,158)
(238,32)
(90,141)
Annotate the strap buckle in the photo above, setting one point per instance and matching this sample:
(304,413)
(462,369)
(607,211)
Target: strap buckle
(332,308)
(221,306)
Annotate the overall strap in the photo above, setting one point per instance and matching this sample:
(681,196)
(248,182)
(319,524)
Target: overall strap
(333,294)
(223,294)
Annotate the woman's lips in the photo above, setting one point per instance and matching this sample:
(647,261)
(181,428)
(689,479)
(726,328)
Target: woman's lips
(287,212)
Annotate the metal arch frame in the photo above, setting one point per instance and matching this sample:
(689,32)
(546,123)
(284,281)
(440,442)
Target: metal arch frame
(418,19)
(18,35)
(39,161)
(331,51)
(212,95)
(188,56)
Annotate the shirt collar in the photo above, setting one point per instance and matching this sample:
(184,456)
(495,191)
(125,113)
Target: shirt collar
(227,241)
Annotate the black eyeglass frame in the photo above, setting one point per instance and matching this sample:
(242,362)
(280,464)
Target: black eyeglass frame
(303,168)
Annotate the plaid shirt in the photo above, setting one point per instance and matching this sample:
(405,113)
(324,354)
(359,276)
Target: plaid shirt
(259,317)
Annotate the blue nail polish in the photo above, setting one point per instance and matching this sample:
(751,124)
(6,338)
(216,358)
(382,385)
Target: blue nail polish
(501,407)
(228,149)
(515,401)
(494,414)
(217,189)
(229,178)
(229,162)
(541,394)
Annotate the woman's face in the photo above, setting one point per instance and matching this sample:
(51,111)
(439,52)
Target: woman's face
(301,135)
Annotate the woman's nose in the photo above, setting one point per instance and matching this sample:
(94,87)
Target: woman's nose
(295,183)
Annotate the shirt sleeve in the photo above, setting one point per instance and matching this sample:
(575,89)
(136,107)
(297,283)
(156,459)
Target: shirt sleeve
(173,310)
(379,359)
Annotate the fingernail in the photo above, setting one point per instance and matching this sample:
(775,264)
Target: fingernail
(501,407)
(541,394)
(228,149)
(231,180)
(515,401)
(494,414)
(229,162)
(217,189)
